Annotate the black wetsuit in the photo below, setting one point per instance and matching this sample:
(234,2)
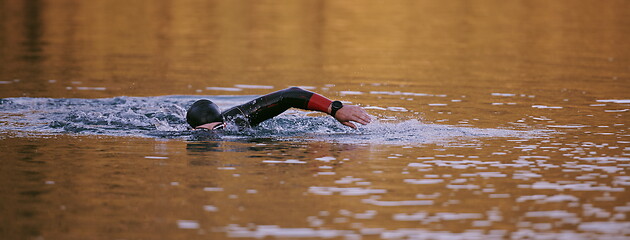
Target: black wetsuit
(260,109)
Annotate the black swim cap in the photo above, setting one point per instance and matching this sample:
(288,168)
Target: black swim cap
(203,111)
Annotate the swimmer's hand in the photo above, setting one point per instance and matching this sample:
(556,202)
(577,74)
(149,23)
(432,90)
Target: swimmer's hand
(352,113)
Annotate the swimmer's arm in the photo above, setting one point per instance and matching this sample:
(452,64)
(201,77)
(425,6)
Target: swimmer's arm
(275,103)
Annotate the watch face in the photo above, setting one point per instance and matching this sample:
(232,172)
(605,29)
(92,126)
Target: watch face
(337,105)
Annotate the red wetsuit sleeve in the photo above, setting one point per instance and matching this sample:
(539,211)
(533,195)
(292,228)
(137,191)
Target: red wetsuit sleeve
(318,103)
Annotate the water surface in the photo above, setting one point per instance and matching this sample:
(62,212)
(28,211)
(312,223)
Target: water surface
(494,120)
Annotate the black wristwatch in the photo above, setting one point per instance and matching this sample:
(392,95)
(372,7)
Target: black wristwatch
(335,106)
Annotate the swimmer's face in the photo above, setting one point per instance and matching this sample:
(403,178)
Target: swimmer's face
(210,126)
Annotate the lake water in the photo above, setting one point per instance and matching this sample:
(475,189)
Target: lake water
(493,119)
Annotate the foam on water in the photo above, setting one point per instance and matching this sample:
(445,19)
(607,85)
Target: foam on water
(164,117)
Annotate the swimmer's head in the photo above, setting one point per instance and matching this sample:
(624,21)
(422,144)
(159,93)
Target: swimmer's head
(202,112)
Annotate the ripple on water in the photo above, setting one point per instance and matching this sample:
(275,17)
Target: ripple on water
(187,224)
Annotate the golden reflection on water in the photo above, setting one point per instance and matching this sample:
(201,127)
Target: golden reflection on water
(161,47)
(494,64)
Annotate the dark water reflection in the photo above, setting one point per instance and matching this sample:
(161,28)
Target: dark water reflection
(530,98)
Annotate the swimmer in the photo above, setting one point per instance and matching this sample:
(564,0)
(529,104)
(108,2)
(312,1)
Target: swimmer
(204,114)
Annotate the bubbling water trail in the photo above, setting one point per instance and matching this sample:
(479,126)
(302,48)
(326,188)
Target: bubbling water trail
(164,117)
